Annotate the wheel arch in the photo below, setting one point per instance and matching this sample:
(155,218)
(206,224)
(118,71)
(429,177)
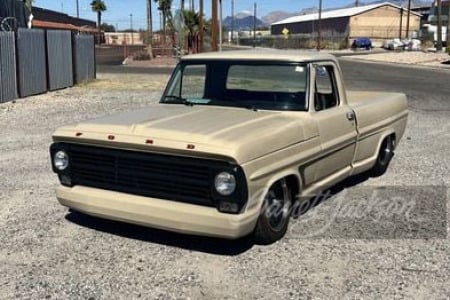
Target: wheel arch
(386,134)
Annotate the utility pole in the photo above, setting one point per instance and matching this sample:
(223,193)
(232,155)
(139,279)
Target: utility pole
(202,26)
(149,28)
(448,26)
(356,3)
(319,33)
(254,25)
(439,26)
(78,10)
(131,27)
(232,20)
(401,23)
(407,19)
(220,26)
(214,27)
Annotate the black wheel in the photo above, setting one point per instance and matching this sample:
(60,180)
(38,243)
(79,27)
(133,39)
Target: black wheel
(384,157)
(275,214)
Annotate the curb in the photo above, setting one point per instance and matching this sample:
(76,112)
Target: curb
(421,65)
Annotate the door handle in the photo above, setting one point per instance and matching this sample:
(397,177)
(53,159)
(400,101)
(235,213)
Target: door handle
(350,116)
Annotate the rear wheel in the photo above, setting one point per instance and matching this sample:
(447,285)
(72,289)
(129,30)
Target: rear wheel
(384,157)
(274,217)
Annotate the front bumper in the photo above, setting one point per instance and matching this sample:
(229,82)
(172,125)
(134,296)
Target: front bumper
(157,213)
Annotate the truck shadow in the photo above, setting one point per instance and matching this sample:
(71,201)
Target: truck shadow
(151,235)
(333,191)
(190,242)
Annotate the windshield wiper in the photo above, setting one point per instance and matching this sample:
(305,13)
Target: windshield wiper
(249,107)
(171,99)
(230,103)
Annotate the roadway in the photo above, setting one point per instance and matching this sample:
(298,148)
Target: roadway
(426,88)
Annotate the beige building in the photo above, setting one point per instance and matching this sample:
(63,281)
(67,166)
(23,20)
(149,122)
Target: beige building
(384,22)
(376,21)
(124,38)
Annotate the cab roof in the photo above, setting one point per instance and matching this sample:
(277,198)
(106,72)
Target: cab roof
(262,55)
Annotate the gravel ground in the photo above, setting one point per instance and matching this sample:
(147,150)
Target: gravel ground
(47,252)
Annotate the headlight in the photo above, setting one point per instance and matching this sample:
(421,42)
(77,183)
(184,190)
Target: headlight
(61,160)
(225,183)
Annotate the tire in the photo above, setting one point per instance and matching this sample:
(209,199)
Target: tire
(385,155)
(275,214)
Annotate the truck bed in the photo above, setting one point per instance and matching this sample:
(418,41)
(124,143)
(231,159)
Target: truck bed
(375,110)
(378,114)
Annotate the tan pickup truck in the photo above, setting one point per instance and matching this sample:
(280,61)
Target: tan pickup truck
(236,140)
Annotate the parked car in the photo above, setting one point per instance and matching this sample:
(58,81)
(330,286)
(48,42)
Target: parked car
(364,43)
(395,44)
(237,139)
(413,45)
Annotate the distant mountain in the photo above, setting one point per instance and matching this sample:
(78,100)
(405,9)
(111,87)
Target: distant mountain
(242,23)
(308,10)
(276,16)
(243,14)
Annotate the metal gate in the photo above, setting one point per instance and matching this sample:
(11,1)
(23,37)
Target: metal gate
(32,66)
(59,59)
(8,79)
(84,58)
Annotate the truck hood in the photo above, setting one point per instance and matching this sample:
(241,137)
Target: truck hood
(236,133)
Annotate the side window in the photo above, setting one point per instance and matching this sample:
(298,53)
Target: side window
(193,85)
(326,95)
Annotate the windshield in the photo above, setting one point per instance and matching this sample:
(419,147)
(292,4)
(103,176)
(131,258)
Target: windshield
(270,86)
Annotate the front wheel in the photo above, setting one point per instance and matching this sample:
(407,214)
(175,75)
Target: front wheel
(384,157)
(275,214)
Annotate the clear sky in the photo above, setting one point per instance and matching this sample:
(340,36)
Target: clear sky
(118,13)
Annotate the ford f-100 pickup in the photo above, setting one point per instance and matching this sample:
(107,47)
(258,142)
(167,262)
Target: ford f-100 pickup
(235,135)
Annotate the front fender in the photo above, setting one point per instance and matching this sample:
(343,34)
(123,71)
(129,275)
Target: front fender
(258,189)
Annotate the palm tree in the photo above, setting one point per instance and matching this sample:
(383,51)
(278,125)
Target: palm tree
(192,23)
(99,7)
(191,20)
(201,25)
(165,7)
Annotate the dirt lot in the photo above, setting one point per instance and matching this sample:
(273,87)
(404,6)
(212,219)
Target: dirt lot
(47,252)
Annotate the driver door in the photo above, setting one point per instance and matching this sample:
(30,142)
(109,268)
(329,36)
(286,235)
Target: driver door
(336,123)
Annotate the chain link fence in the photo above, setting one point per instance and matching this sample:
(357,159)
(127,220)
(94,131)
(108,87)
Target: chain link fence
(329,40)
